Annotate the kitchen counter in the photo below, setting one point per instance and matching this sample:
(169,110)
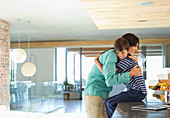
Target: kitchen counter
(124,109)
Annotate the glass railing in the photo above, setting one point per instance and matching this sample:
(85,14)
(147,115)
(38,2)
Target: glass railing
(36,97)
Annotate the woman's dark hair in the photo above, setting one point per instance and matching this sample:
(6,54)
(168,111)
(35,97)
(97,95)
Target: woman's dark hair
(132,39)
(120,44)
(106,50)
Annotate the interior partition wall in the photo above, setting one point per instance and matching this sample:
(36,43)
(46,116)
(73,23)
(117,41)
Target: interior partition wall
(39,94)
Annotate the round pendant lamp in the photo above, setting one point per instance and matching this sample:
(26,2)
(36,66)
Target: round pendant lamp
(19,55)
(28,69)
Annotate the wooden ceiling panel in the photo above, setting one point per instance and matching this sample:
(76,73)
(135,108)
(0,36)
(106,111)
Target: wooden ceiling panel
(121,14)
(88,49)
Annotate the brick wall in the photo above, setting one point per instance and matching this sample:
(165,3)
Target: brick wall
(4,63)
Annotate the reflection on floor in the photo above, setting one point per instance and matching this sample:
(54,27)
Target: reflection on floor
(56,107)
(53,107)
(38,97)
(71,109)
(37,105)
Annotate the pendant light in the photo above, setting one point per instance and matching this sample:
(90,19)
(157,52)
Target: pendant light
(141,57)
(28,69)
(19,55)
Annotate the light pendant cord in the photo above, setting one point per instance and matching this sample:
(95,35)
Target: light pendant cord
(140,34)
(28,40)
(19,20)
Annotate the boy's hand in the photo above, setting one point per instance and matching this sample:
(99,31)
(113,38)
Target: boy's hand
(136,71)
(134,58)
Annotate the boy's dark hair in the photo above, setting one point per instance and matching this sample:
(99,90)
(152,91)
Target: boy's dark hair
(120,44)
(132,39)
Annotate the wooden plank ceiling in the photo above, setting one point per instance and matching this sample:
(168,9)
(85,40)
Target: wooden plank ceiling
(122,14)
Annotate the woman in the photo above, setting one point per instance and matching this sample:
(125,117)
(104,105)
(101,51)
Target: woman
(99,86)
(136,88)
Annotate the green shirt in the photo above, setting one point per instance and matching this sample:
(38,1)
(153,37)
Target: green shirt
(101,85)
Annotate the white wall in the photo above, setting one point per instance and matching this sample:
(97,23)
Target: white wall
(44,61)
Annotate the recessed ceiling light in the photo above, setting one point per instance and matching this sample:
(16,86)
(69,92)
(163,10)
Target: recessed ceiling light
(142,20)
(146,3)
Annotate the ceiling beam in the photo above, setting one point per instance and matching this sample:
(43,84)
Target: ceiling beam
(88,49)
(83,43)
(63,44)
(87,53)
(136,54)
(99,50)
(91,55)
(150,54)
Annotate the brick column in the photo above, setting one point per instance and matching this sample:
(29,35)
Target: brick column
(4,63)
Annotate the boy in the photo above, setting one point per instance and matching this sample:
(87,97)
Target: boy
(136,89)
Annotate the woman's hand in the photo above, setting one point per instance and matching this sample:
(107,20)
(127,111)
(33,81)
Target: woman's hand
(136,71)
(98,64)
(96,59)
(134,58)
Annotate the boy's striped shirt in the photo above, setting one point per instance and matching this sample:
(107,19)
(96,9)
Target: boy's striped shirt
(136,82)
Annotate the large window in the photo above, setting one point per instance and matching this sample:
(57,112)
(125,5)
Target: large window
(153,68)
(87,63)
(71,67)
(61,64)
